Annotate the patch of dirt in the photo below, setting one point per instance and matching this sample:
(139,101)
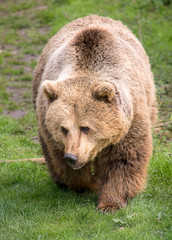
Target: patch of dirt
(17,97)
(10,48)
(20,91)
(16,114)
(23,32)
(3,13)
(30,57)
(16,93)
(43,30)
(28,70)
(7,46)
(26,11)
(42,7)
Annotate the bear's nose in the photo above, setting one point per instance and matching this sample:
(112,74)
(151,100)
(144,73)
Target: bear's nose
(70,158)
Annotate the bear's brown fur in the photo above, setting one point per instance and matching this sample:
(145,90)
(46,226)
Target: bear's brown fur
(95,101)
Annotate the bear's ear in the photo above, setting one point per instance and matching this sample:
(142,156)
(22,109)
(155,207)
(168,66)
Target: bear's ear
(49,88)
(104,91)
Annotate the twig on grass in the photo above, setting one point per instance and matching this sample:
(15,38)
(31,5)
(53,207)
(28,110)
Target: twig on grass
(163,124)
(145,231)
(66,15)
(39,160)
(138,19)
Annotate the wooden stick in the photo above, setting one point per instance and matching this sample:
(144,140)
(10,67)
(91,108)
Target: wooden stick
(39,160)
(138,19)
(163,124)
(67,16)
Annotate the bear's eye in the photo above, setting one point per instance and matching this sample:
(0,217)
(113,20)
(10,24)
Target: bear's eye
(64,130)
(85,129)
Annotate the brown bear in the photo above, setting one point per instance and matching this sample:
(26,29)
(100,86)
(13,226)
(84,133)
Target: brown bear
(95,102)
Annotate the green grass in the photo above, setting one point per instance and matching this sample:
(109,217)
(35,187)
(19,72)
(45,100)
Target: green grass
(31,206)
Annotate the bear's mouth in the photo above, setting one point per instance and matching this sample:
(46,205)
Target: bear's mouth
(77,166)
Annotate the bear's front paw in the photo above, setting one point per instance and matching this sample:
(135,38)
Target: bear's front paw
(111,206)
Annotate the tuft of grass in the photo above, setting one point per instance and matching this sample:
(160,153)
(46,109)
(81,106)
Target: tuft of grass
(31,206)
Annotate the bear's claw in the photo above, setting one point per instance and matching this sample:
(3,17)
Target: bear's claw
(110,207)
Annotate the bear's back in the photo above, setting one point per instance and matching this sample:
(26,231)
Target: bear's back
(71,29)
(129,51)
(116,28)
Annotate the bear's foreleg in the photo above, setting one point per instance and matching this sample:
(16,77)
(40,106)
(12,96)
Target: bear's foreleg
(123,175)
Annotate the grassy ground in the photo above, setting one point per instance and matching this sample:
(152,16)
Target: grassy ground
(31,206)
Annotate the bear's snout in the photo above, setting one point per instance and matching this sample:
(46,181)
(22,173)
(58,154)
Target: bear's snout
(70,158)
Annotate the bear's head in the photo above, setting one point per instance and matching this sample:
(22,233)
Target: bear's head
(84,117)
